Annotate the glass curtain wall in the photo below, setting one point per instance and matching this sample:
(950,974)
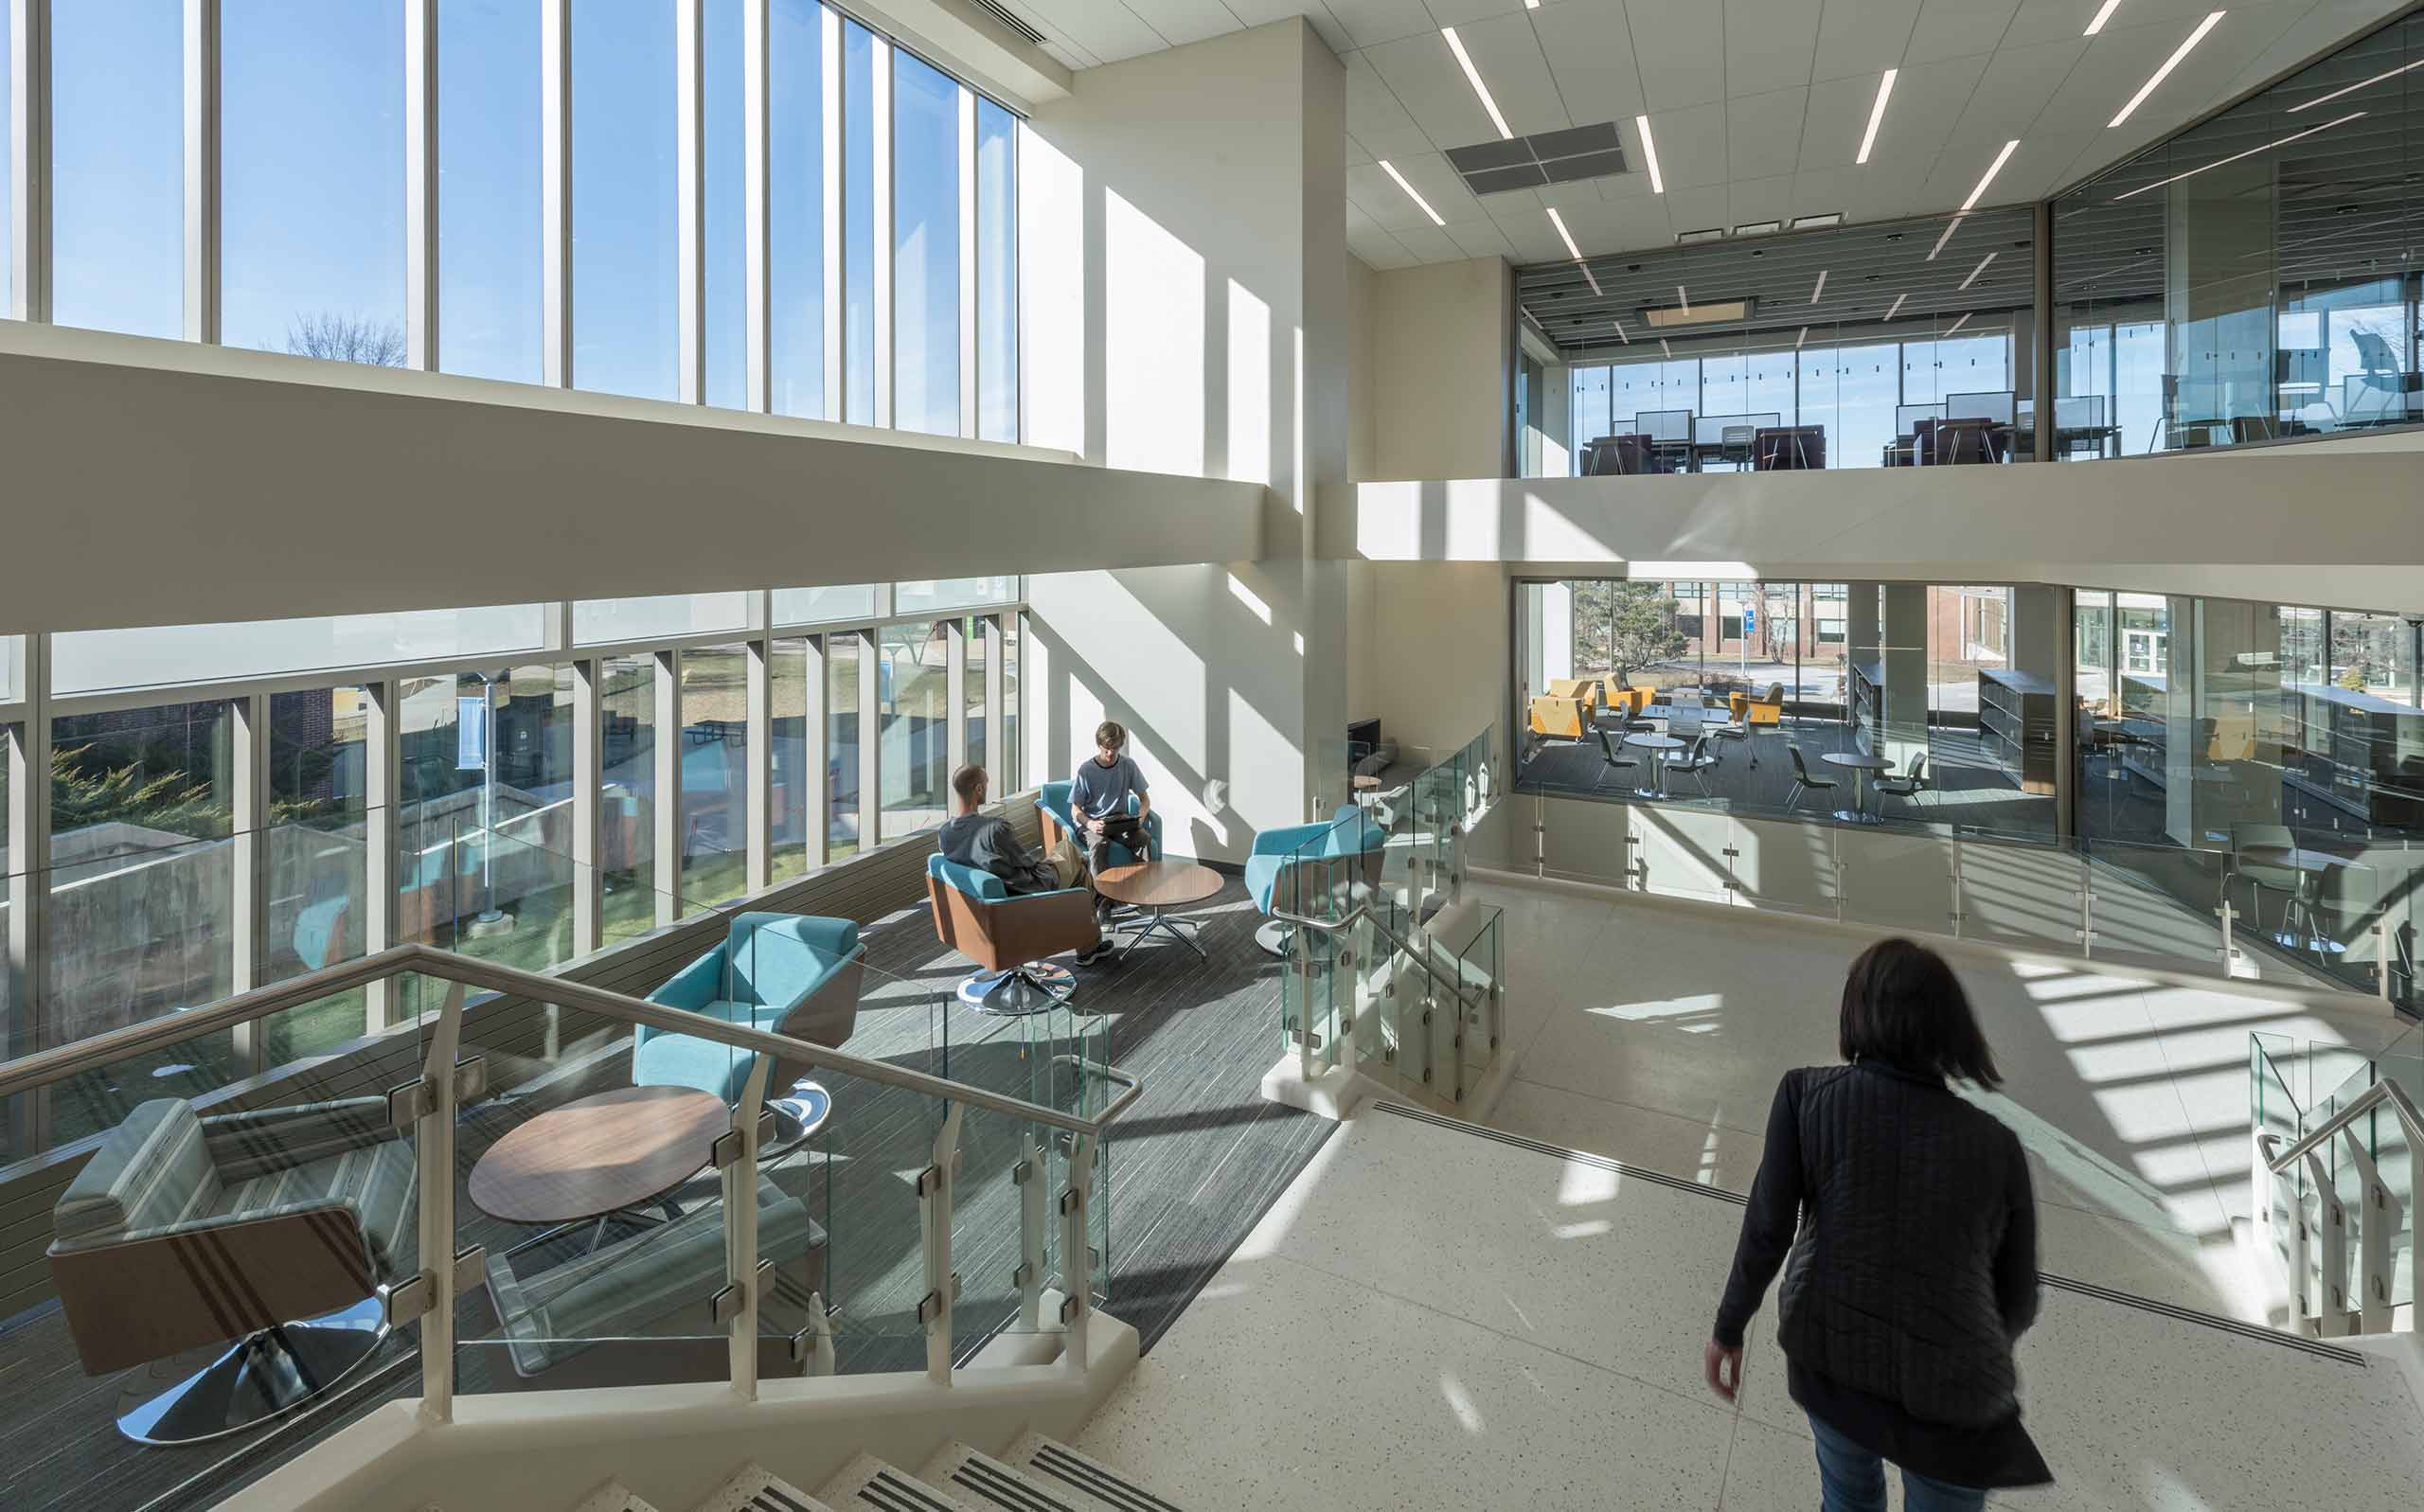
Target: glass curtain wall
(2255,278)
(1724,692)
(312,167)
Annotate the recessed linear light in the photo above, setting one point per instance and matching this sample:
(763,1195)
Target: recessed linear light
(2169,63)
(2327,99)
(1535,5)
(1622,334)
(1456,45)
(1563,235)
(1897,305)
(1979,269)
(1727,312)
(1663,347)
(2101,17)
(1391,170)
(1683,299)
(1798,340)
(1876,114)
(1592,279)
(2236,156)
(1649,154)
(1956,325)
(1992,168)
(1949,227)
(1821,287)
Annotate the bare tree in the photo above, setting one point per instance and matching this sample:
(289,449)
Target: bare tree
(347,339)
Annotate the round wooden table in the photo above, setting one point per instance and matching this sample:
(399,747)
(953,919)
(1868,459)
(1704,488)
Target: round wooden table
(1156,886)
(599,1156)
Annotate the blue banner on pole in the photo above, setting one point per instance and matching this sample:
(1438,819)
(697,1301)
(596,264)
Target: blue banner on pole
(1750,622)
(470,734)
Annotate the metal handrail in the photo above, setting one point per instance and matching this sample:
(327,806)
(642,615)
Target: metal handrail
(48,1066)
(2372,1097)
(1463,991)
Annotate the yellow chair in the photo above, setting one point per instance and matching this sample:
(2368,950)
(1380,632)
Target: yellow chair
(1556,718)
(1584,688)
(1749,713)
(1633,699)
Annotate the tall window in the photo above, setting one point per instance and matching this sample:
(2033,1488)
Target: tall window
(849,821)
(858,223)
(725,213)
(997,273)
(796,206)
(911,687)
(715,773)
(311,142)
(488,221)
(118,234)
(627,794)
(925,258)
(625,262)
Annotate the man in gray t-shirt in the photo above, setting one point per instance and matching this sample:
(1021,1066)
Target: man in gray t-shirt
(1098,794)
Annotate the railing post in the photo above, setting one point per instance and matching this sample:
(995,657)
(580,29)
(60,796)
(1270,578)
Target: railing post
(934,1215)
(2381,958)
(433,1149)
(1034,1224)
(1300,965)
(2378,1214)
(744,1277)
(1077,1257)
(2228,914)
(2263,1187)
(2332,1247)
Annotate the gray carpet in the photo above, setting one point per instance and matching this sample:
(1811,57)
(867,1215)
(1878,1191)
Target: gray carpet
(1192,1165)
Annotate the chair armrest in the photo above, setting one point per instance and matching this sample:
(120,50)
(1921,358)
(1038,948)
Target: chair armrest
(693,987)
(245,1144)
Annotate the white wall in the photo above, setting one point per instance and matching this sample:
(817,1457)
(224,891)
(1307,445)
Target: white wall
(1184,294)
(1442,357)
(1360,292)
(156,482)
(1440,658)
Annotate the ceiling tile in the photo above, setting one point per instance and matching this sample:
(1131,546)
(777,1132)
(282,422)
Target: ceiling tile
(1862,36)
(1422,74)
(1107,29)
(1696,209)
(1837,115)
(1691,145)
(1768,45)
(1511,63)
(1375,116)
(1185,20)
(2038,22)
(1680,46)
(1763,133)
(1590,53)
(2018,82)
(1956,28)
(1428,243)
(1357,152)
(1925,107)
(1436,180)
(1258,13)
(1368,22)
(1458,12)
(1480,239)
(1750,201)
(1381,251)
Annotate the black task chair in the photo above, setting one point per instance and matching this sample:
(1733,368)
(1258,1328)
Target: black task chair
(2264,857)
(1607,738)
(1910,784)
(1802,782)
(1696,761)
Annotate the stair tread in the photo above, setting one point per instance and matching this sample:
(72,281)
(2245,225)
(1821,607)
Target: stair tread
(1086,1484)
(613,1496)
(755,1489)
(980,1483)
(899,1490)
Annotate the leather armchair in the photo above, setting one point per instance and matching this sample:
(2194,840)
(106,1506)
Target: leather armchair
(183,1231)
(795,974)
(1052,800)
(1009,935)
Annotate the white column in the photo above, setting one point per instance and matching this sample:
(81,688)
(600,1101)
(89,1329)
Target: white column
(1000,764)
(381,786)
(588,776)
(249,858)
(667,807)
(555,191)
(956,696)
(690,178)
(202,169)
(27,298)
(25,746)
(420,184)
(870,743)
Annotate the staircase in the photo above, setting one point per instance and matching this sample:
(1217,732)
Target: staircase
(1037,1474)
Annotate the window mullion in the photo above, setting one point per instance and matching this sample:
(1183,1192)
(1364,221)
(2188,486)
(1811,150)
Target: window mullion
(690,187)
(666,810)
(30,171)
(420,184)
(968,281)
(880,140)
(829,98)
(202,170)
(757,47)
(555,192)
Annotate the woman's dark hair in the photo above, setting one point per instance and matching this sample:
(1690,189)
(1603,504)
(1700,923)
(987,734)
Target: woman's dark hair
(1903,1006)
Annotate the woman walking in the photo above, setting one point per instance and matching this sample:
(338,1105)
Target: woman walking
(1915,1267)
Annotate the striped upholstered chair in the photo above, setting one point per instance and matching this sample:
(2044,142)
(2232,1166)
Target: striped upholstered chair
(271,1228)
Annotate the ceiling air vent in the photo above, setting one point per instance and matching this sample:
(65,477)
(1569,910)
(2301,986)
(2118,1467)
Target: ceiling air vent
(1002,14)
(1687,239)
(1565,157)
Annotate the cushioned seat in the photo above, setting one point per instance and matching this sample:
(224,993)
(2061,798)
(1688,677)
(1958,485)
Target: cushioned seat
(1288,863)
(1053,799)
(1008,936)
(793,975)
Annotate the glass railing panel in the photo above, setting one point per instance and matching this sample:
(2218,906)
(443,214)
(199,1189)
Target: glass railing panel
(1897,880)
(1681,851)
(2027,897)
(166,1172)
(1786,865)
(2155,905)
(2383,1138)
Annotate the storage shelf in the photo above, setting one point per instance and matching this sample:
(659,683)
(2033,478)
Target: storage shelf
(2016,726)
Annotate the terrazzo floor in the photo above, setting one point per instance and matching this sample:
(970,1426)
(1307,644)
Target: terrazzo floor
(1656,1035)
(1428,1318)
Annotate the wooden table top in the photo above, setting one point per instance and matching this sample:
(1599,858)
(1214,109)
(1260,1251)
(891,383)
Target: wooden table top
(1158,884)
(598,1155)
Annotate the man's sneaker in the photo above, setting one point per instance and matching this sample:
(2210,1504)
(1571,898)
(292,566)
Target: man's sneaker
(1094,952)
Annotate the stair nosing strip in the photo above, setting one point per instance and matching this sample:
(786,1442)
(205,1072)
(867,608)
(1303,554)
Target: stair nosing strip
(2086,1289)
(1081,1474)
(1005,1488)
(899,1488)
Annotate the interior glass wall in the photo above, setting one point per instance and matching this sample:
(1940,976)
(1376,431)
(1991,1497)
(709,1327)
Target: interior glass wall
(1923,704)
(848,818)
(791,788)
(911,691)
(715,773)
(2255,278)
(627,795)
(319,870)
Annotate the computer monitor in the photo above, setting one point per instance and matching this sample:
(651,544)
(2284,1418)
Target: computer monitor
(1664,425)
(1991,404)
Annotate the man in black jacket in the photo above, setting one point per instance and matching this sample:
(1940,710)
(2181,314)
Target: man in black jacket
(987,844)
